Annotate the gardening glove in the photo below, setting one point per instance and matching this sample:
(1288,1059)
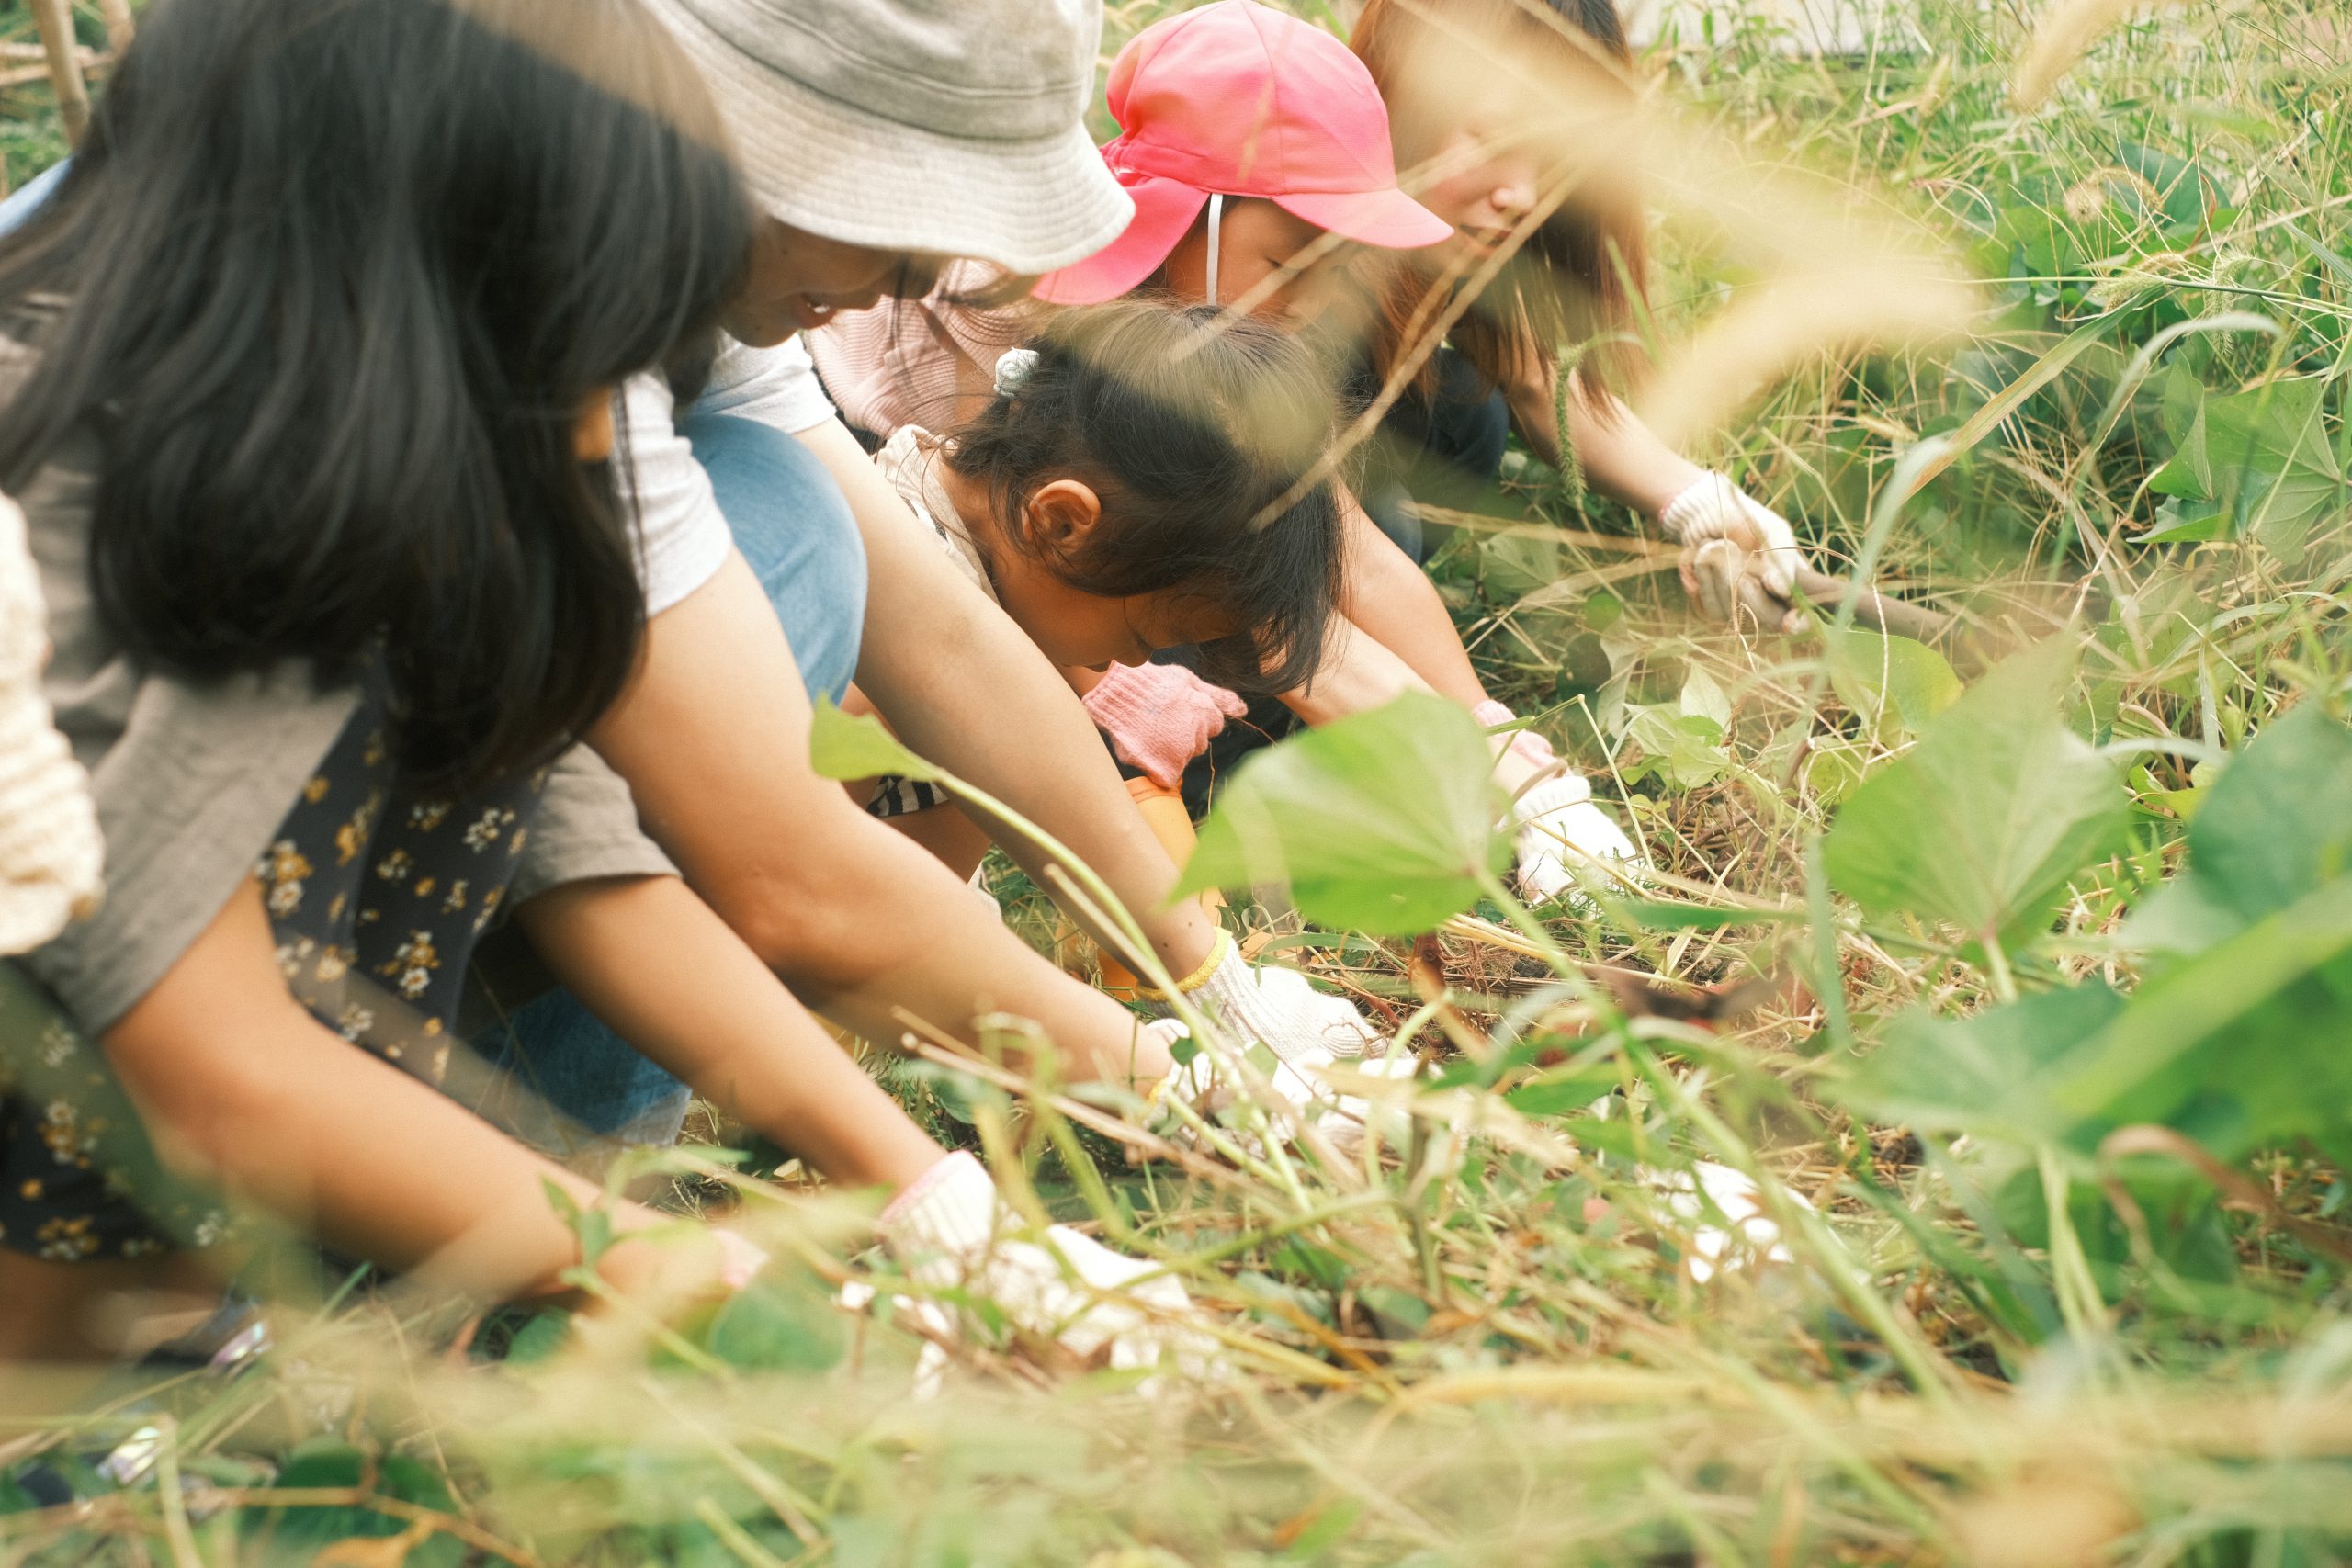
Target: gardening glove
(1712,507)
(1275,1007)
(1159,717)
(1555,826)
(950,1231)
(1729,586)
(1204,1085)
(1749,1237)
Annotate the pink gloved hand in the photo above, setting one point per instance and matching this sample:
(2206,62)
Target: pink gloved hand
(1159,717)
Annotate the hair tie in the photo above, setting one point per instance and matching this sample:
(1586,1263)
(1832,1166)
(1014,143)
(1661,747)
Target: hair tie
(1013,368)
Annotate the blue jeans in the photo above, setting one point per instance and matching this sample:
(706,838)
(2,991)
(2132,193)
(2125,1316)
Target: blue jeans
(792,524)
(22,201)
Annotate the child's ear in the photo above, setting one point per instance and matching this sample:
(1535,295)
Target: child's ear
(1062,514)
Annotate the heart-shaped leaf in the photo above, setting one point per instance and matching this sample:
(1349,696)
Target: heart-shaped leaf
(1382,822)
(2261,459)
(2232,1038)
(846,746)
(1892,682)
(1982,822)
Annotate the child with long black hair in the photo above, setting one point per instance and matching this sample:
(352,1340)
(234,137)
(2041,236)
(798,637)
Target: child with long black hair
(306,380)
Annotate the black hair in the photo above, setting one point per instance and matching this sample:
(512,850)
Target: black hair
(1190,427)
(332,282)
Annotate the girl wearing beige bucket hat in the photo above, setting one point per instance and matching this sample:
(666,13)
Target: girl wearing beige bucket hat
(880,137)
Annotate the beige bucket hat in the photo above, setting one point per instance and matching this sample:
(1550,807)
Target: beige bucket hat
(953,127)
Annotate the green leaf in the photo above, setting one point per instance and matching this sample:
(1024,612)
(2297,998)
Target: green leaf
(1982,822)
(2234,1038)
(299,1534)
(2241,1048)
(1685,747)
(782,1321)
(1513,565)
(540,1339)
(2272,828)
(1563,1091)
(1395,1313)
(1703,697)
(1382,822)
(1981,1073)
(1890,681)
(843,747)
(2261,455)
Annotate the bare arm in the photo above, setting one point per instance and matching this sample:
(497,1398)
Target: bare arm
(1358,673)
(243,1088)
(1393,601)
(712,735)
(667,975)
(1623,458)
(963,686)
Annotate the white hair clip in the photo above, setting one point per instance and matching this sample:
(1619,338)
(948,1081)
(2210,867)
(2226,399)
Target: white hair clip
(1013,368)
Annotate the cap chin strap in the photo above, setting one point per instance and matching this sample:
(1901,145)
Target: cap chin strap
(1216,221)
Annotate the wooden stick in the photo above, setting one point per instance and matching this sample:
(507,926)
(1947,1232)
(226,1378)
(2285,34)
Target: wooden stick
(1873,610)
(119,27)
(55,20)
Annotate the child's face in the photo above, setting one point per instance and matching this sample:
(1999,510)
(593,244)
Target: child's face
(1085,631)
(1076,630)
(1257,239)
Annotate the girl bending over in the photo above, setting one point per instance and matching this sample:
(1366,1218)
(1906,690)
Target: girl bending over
(1121,493)
(306,372)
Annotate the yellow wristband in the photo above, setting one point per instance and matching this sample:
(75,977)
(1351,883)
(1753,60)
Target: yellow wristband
(1218,950)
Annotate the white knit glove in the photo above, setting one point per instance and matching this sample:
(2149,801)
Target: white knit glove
(1749,1237)
(1728,584)
(1298,1023)
(1712,507)
(52,865)
(1555,826)
(950,1233)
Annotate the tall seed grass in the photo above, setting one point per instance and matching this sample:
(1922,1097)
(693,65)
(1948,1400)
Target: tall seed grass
(1452,1350)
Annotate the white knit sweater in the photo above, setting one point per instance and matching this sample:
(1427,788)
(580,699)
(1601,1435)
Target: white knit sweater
(51,858)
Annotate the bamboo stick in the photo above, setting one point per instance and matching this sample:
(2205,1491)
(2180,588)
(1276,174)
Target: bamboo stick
(55,20)
(119,27)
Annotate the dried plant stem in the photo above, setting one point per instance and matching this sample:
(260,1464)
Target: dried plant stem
(55,20)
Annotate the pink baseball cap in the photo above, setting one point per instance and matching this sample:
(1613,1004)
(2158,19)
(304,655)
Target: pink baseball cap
(1239,99)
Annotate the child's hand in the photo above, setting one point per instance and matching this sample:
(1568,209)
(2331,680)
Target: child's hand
(1300,1024)
(1159,717)
(1714,508)
(1556,827)
(1728,585)
(950,1233)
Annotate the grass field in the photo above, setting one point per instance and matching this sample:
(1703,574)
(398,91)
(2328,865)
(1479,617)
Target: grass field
(2074,1105)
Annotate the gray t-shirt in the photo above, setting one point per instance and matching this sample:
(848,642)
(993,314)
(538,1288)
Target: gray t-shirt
(192,779)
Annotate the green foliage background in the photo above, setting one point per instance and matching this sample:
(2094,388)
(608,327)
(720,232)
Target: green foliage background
(2074,1101)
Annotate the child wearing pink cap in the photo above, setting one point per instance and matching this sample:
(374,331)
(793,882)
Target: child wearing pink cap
(1553,83)
(1256,149)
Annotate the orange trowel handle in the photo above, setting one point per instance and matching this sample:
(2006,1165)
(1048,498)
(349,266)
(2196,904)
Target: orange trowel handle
(1163,808)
